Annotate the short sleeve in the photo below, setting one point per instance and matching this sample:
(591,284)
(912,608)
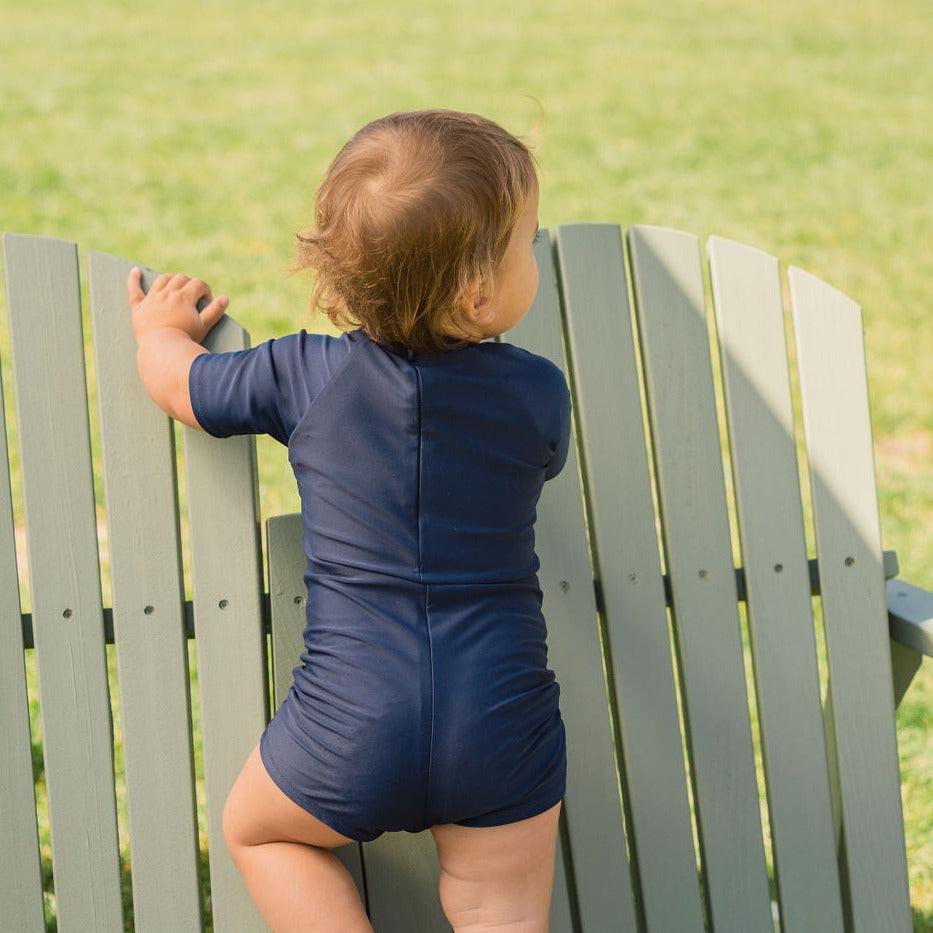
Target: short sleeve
(263,389)
(561,430)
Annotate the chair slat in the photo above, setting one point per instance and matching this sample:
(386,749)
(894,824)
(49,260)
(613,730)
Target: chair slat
(402,874)
(61,533)
(226,560)
(137,440)
(671,313)
(287,601)
(21,902)
(625,546)
(592,820)
(750,322)
(861,717)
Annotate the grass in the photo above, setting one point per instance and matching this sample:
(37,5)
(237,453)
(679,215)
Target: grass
(191,138)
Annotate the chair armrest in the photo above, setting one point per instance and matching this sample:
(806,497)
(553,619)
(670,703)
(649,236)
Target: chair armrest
(910,615)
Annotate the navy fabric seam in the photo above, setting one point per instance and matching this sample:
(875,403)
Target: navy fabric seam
(427,623)
(312,402)
(281,433)
(194,395)
(418,494)
(427,618)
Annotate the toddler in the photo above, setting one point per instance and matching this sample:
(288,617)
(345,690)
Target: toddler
(423,699)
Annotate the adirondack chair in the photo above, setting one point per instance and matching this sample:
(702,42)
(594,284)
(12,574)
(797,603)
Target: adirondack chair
(626,858)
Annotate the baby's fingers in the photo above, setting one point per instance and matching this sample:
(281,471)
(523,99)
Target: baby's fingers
(134,286)
(214,312)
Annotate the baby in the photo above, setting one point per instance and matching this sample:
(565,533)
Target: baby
(423,699)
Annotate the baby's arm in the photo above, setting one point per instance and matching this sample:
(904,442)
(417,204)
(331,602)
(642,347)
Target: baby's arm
(164,358)
(169,330)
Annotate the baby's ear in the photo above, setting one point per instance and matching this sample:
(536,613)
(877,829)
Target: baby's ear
(474,295)
(478,305)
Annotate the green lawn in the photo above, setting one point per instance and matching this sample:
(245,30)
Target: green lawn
(191,138)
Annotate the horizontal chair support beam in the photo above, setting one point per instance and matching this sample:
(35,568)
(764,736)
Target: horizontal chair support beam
(108,622)
(906,626)
(891,569)
(910,613)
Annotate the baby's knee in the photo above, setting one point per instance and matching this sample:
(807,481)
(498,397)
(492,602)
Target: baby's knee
(231,820)
(238,819)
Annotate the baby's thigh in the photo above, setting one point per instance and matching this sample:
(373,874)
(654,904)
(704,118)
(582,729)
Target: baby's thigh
(498,877)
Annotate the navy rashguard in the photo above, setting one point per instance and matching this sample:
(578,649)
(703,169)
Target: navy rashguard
(423,694)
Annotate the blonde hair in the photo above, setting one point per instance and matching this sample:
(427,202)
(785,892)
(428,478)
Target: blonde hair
(415,208)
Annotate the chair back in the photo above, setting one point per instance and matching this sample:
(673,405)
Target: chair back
(679,610)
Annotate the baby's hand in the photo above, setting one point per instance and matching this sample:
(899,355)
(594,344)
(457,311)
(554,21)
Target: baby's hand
(172,302)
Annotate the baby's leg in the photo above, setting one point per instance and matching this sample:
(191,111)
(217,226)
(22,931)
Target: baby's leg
(498,877)
(283,854)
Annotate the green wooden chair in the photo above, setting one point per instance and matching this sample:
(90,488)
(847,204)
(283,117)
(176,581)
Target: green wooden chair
(627,858)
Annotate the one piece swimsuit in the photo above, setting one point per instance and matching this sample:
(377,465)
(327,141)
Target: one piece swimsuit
(423,694)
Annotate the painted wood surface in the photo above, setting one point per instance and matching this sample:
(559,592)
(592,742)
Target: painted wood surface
(756,383)
(64,575)
(672,325)
(21,901)
(144,544)
(223,513)
(834,395)
(592,883)
(910,611)
(623,542)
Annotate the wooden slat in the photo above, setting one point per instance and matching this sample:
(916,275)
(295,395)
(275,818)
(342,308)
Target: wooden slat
(750,322)
(402,874)
(834,395)
(564,916)
(288,601)
(623,539)
(137,440)
(61,534)
(287,598)
(20,866)
(226,560)
(671,313)
(599,893)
